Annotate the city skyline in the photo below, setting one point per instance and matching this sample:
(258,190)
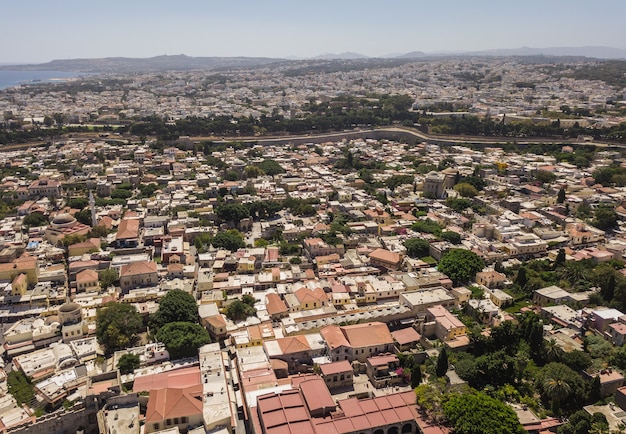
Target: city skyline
(40,31)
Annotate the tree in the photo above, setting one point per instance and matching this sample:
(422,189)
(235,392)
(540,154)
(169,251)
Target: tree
(182,339)
(563,388)
(460,265)
(108,277)
(35,219)
(451,237)
(117,324)
(416,247)
(545,177)
(521,280)
(176,306)
(416,376)
(84,216)
(253,172)
(560,258)
(605,218)
(232,212)
(560,197)
(128,363)
(230,240)
(479,413)
(557,389)
(442,363)
(238,310)
(466,189)
(271,167)
(20,387)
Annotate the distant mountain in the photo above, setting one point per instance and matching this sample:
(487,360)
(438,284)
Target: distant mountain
(151,64)
(412,55)
(341,56)
(597,52)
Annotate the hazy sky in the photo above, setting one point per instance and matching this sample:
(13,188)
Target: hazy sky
(43,30)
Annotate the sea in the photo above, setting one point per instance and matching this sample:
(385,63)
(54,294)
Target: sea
(16,78)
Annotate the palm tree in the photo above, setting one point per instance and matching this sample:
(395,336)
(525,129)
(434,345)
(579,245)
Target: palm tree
(557,390)
(553,351)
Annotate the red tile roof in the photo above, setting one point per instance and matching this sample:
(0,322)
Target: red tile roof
(170,403)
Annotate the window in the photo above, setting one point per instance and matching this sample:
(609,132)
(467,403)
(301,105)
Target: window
(175,421)
(168,422)
(156,425)
(342,377)
(184,419)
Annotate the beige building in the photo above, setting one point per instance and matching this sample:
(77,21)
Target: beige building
(138,274)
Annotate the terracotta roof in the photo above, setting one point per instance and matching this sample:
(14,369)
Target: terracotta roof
(316,395)
(293,344)
(170,403)
(335,367)
(140,267)
(306,295)
(274,304)
(386,256)
(334,337)
(87,276)
(406,335)
(183,378)
(127,229)
(366,335)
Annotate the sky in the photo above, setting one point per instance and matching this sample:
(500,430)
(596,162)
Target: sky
(38,31)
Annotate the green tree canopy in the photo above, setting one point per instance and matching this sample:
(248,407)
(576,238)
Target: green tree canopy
(239,310)
(128,363)
(460,265)
(35,219)
(182,339)
(442,363)
(117,325)
(230,240)
(108,277)
(232,212)
(466,189)
(416,247)
(176,306)
(271,167)
(479,413)
(451,237)
(605,218)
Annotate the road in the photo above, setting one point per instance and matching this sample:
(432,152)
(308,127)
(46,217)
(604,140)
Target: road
(391,133)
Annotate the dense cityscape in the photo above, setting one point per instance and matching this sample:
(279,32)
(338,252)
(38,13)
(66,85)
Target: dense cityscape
(380,246)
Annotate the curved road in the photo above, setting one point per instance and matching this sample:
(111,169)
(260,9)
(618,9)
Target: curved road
(392,133)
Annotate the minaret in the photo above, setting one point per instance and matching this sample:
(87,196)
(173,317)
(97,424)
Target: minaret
(92,207)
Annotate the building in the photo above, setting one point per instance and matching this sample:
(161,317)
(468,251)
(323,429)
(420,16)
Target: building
(385,259)
(337,374)
(174,407)
(448,326)
(138,274)
(87,281)
(490,279)
(358,341)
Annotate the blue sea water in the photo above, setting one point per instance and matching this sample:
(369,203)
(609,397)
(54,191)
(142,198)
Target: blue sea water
(16,78)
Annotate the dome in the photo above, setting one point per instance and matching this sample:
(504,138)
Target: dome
(63,220)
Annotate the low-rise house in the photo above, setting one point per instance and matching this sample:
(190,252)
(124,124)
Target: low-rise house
(491,279)
(87,281)
(357,342)
(500,298)
(174,407)
(138,274)
(381,370)
(385,259)
(337,374)
(448,326)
